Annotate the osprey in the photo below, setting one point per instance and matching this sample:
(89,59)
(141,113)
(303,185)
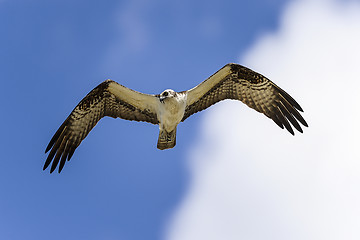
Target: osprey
(169,108)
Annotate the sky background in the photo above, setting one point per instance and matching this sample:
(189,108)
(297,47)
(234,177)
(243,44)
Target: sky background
(233,174)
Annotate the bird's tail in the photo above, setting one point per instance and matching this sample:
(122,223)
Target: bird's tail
(166,139)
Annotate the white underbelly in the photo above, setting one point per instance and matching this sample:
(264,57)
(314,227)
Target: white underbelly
(171,114)
(169,120)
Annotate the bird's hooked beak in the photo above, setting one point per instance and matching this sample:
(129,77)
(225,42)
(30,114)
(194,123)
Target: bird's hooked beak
(162,99)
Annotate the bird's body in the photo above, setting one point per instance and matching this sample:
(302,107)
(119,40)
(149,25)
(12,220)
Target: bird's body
(169,108)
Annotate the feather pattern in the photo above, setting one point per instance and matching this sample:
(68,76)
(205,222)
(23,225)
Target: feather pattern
(104,100)
(167,109)
(237,82)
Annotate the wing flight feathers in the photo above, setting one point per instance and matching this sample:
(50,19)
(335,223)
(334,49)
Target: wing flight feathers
(237,82)
(107,99)
(233,81)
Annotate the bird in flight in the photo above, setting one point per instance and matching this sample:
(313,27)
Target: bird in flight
(169,108)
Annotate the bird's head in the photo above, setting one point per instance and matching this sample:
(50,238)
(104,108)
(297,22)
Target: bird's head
(167,94)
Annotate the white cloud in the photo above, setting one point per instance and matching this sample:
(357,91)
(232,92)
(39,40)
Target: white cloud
(252,180)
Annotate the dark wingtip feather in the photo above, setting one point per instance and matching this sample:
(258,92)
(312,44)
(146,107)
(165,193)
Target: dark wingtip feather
(60,152)
(46,165)
(293,111)
(71,152)
(302,120)
(305,123)
(64,156)
(51,143)
(47,162)
(300,130)
(289,128)
(55,162)
(277,121)
(291,100)
(51,155)
(284,121)
(56,136)
(289,116)
(62,162)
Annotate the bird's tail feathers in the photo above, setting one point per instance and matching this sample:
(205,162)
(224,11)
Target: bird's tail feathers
(166,139)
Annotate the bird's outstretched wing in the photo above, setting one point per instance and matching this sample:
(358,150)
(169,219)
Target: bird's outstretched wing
(237,82)
(107,99)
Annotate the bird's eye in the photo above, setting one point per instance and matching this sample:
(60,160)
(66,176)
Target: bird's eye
(165,94)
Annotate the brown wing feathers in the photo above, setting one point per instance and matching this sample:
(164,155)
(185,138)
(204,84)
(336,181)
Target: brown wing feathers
(254,90)
(233,81)
(97,104)
(221,91)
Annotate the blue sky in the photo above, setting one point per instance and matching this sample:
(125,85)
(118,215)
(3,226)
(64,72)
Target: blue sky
(118,185)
